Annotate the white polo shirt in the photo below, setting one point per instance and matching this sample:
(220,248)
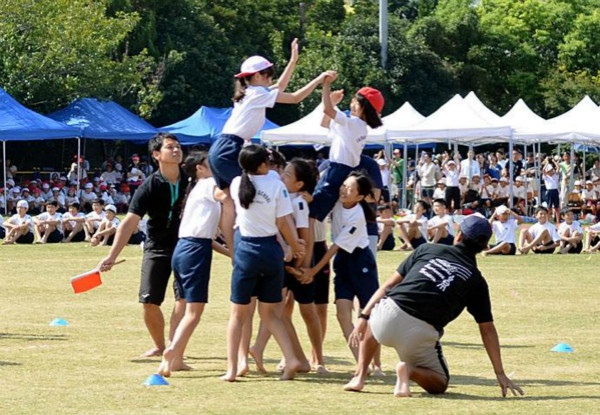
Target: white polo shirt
(436,220)
(573,227)
(57,217)
(349,227)
(348,136)
(18,220)
(248,115)
(536,229)
(271,202)
(300,211)
(202,212)
(505,232)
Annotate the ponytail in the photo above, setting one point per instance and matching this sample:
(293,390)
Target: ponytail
(239,89)
(250,159)
(370,214)
(193,159)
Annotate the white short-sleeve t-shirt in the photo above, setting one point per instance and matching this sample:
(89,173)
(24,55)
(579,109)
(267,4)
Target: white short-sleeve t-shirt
(348,136)
(115,222)
(271,202)
(551,182)
(202,212)
(300,211)
(573,227)
(96,218)
(422,221)
(67,217)
(57,217)
(452,177)
(519,192)
(17,220)
(349,227)
(589,194)
(505,232)
(248,115)
(436,220)
(536,229)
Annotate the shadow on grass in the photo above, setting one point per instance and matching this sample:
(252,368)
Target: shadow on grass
(9,364)
(33,337)
(480,345)
(475,380)
(463,396)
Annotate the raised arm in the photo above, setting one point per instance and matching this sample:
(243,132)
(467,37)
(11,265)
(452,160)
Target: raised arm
(489,336)
(299,95)
(285,77)
(328,106)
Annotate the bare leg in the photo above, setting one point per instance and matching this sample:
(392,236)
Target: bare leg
(344,316)
(262,338)
(173,355)
(179,310)
(524,242)
(404,236)
(228,220)
(501,248)
(155,323)
(244,349)
(313,328)
(239,314)
(321,310)
(268,315)
(368,348)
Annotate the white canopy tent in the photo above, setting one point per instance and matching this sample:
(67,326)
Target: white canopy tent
(484,112)
(308,130)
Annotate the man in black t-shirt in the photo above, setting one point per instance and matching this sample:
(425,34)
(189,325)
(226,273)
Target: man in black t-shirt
(160,197)
(409,312)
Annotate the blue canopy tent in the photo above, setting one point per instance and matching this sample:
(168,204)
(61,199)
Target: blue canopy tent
(104,120)
(18,123)
(205,125)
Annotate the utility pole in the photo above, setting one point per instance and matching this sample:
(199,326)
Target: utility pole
(383,31)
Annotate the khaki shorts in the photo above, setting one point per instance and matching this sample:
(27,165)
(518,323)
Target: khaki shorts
(416,342)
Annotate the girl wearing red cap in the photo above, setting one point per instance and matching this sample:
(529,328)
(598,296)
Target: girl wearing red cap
(254,92)
(348,136)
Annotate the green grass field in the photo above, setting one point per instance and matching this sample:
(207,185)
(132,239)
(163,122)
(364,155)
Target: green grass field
(92,366)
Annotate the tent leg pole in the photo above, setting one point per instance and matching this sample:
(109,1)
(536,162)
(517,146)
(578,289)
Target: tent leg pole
(584,166)
(572,171)
(78,164)
(404,166)
(510,174)
(5,168)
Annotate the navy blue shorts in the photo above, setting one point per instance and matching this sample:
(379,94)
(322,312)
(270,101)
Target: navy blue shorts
(78,237)
(303,293)
(55,237)
(328,190)
(257,269)
(448,240)
(552,199)
(223,159)
(389,244)
(322,277)
(417,242)
(25,239)
(191,266)
(512,251)
(355,275)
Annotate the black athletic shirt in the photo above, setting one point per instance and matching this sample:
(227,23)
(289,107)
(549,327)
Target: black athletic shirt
(439,282)
(370,166)
(153,197)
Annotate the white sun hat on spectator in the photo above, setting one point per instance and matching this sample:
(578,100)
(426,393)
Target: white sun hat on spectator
(111,208)
(519,179)
(577,183)
(89,186)
(46,186)
(22,204)
(11,182)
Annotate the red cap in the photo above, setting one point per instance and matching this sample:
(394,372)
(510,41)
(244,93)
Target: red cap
(103,187)
(125,188)
(374,97)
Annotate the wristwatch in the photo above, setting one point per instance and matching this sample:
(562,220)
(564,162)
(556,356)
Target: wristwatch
(365,316)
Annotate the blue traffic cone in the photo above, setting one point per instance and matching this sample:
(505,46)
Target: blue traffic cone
(59,322)
(563,348)
(156,380)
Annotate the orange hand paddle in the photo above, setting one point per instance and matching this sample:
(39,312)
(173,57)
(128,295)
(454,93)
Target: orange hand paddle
(88,280)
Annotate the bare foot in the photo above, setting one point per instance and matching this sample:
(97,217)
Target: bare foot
(228,377)
(484,253)
(258,361)
(291,368)
(402,388)
(281,366)
(304,367)
(178,366)
(377,372)
(243,369)
(163,369)
(320,370)
(153,352)
(356,384)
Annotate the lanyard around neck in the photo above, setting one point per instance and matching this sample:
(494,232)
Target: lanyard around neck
(174,194)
